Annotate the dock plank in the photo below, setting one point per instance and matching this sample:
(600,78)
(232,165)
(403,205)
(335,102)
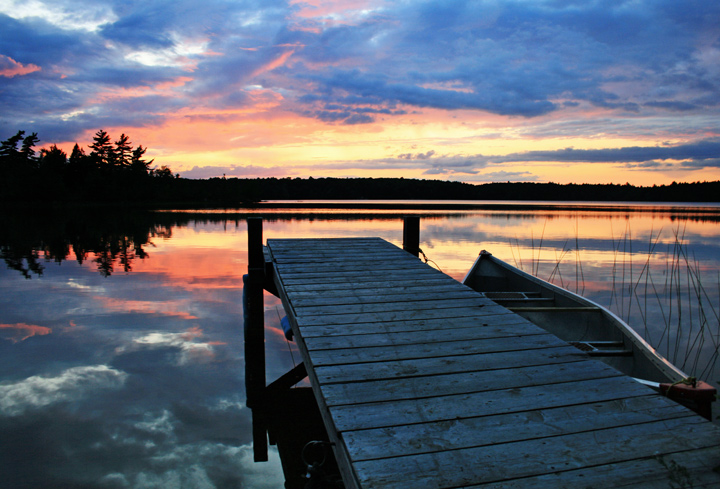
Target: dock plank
(482,323)
(351,339)
(440,348)
(488,403)
(376,283)
(423,383)
(425,386)
(404,314)
(700,465)
(457,433)
(534,457)
(410,305)
(370,274)
(383,295)
(489,362)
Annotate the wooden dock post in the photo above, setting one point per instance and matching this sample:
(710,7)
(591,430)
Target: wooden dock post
(254,329)
(411,235)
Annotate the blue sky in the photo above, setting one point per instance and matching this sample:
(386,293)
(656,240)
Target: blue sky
(477,91)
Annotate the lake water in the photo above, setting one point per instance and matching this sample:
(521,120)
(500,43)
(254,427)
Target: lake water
(121,355)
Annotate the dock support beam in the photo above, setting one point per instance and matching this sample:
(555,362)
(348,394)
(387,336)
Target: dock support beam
(254,329)
(411,235)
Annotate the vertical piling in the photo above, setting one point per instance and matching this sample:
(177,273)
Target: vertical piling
(254,329)
(411,235)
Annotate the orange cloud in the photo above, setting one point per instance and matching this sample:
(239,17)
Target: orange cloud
(166,308)
(20,331)
(177,82)
(162,89)
(191,333)
(10,68)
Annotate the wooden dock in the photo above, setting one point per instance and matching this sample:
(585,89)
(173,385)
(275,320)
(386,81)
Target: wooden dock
(423,383)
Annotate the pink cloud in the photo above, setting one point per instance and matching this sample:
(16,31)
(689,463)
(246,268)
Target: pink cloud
(325,8)
(20,331)
(10,68)
(275,63)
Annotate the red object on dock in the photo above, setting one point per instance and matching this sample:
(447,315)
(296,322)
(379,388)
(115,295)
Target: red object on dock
(696,392)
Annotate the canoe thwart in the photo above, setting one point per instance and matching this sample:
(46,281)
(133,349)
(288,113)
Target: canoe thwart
(602,348)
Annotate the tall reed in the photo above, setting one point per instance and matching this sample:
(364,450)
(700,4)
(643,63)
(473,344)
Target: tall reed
(689,325)
(664,297)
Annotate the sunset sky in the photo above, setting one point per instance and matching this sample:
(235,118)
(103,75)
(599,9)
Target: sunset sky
(475,91)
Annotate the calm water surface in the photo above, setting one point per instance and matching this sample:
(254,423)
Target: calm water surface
(121,356)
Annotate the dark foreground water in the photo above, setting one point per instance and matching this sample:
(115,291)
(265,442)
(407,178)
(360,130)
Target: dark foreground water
(121,355)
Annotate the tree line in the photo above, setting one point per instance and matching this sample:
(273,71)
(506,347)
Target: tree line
(115,171)
(108,171)
(411,189)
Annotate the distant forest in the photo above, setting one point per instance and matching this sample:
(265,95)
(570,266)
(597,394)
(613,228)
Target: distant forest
(116,172)
(409,189)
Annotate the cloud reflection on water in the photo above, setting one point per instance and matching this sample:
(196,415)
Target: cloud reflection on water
(139,381)
(72,384)
(21,331)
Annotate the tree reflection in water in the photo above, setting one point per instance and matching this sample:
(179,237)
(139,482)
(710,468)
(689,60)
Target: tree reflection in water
(112,240)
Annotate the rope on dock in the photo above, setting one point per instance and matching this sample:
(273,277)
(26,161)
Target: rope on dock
(427,260)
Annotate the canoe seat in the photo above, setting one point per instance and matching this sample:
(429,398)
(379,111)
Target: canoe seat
(500,295)
(602,348)
(520,299)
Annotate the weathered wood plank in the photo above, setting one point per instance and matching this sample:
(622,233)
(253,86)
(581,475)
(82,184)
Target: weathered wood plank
(463,383)
(361,253)
(294,243)
(428,366)
(410,304)
(377,266)
(495,322)
(376,283)
(380,295)
(350,250)
(501,401)
(385,337)
(452,434)
(407,315)
(690,469)
(333,242)
(289,256)
(466,467)
(366,276)
(439,348)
